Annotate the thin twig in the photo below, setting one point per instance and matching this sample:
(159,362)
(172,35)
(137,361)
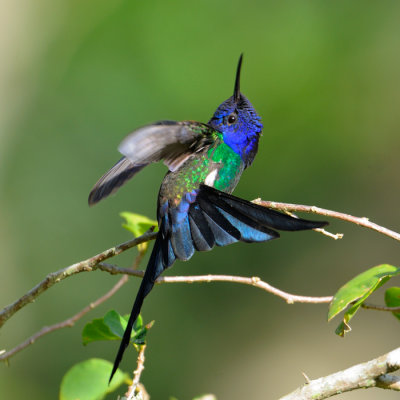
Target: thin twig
(362,221)
(366,375)
(132,390)
(55,277)
(306,377)
(335,236)
(369,306)
(252,281)
(70,322)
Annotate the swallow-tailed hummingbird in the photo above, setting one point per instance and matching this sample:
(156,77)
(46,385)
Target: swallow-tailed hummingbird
(195,209)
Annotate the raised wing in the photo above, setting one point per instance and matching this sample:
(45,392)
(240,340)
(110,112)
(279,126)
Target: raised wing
(112,180)
(170,141)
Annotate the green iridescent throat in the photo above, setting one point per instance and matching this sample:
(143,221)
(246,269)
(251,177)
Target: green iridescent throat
(196,170)
(232,166)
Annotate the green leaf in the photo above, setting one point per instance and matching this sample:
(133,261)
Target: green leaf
(138,225)
(107,328)
(88,380)
(360,286)
(116,322)
(357,290)
(392,299)
(112,327)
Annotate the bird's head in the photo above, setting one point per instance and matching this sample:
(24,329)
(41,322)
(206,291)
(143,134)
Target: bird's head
(238,121)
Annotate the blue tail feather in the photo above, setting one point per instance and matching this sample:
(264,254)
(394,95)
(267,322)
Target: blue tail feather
(213,218)
(180,236)
(260,215)
(198,238)
(222,238)
(217,218)
(200,222)
(168,253)
(248,233)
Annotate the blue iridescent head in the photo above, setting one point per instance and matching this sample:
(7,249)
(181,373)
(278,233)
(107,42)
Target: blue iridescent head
(239,122)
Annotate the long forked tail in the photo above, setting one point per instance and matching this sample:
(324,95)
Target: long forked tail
(153,270)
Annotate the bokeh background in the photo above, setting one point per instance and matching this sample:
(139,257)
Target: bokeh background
(76,77)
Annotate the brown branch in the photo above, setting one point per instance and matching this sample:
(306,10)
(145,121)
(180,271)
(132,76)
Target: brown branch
(362,376)
(252,281)
(82,266)
(68,323)
(362,221)
(135,387)
(114,270)
(369,306)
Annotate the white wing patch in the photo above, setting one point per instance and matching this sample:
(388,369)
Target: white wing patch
(210,179)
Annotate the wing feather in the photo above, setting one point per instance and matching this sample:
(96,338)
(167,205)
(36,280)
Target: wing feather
(112,180)
(171,141)
(168,141)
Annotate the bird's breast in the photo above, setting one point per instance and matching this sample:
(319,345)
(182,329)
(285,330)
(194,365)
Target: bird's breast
(218,166)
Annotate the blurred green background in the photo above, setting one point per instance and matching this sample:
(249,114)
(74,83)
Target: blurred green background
(76,77)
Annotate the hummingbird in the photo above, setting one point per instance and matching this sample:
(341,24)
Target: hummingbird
(195,209)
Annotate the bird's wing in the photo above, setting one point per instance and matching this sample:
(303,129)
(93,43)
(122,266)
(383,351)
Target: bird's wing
(170,141)
(112,180)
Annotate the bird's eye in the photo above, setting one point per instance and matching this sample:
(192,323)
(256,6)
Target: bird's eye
(232,119)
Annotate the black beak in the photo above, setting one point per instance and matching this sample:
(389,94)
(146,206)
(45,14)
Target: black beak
(236,93)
